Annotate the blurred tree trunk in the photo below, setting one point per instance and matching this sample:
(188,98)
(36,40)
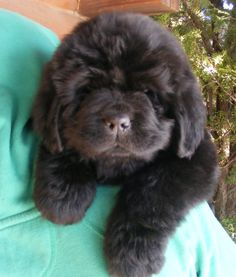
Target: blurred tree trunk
(227,207)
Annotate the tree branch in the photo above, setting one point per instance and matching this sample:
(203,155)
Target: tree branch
(200,26)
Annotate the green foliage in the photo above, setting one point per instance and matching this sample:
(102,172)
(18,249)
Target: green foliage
(230,226)
(207,32)
(231,177)
(208,35)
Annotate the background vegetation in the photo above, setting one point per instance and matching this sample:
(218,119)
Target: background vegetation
(207,31)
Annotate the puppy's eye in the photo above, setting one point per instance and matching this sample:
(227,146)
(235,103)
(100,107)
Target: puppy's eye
(147,90)
(81,93)
(152,94)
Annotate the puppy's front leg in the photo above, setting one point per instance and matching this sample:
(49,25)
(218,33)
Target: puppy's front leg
(65,186)
(150,207)
(135,238)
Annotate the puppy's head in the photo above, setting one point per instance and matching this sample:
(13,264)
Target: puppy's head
(122,87)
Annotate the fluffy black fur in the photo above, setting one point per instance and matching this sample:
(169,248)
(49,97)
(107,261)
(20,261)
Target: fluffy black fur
(119,103)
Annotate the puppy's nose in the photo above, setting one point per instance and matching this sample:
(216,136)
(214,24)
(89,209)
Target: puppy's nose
(118,123)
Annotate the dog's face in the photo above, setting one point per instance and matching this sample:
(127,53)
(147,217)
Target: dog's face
(124,89)
(116,122)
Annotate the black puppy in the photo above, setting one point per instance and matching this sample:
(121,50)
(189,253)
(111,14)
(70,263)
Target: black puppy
(119,103)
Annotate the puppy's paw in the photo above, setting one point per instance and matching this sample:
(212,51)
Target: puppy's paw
(63,205)
(64,187)
(132,250)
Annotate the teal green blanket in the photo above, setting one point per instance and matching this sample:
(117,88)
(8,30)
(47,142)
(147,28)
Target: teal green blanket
(30,246)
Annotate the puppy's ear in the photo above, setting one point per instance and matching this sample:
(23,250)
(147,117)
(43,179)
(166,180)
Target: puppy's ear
(46,113)
(190,114)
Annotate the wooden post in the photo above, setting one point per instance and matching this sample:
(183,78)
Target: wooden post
(62,15)
(91,7)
